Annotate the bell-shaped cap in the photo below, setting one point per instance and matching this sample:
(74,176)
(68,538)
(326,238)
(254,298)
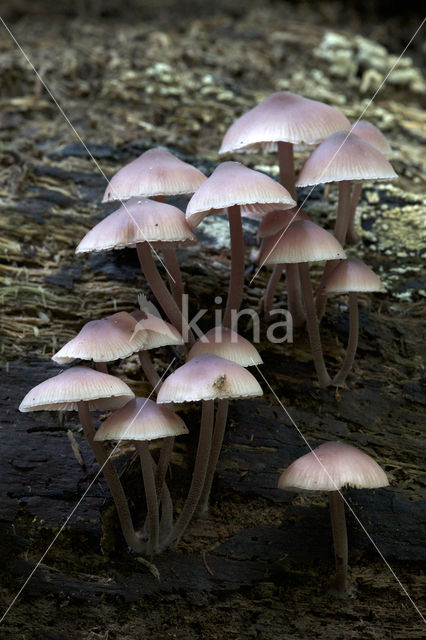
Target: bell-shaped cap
(352,275)
(303,241)
(141,419)
(156,172)
(233,184)
(138,221)
(283,117)
(278,219)
(64,391)
(207,377)
(104,340)
(228,344)
(345,156)
(370,133)
(155,331)
(330,467)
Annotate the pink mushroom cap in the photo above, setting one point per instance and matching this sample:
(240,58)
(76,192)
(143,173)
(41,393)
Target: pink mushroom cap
(78,384)
(231,183)
(207,377)
(226,343)
(352,275)
(141,419)
(156,172)
(345,156)
(283,117)
(330,467)
(303,241)
(370,133)
(138,221)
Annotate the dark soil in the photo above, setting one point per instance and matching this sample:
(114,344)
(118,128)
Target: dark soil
(259,565)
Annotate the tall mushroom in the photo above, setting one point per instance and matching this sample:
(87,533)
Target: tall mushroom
(207,378)
(223,342)
(84,389)
(330,467)
(237,189)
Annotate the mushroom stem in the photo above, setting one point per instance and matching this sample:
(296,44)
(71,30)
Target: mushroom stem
(142,448)
(163,295)
(348,361)
(294,297)
(271,287)
(166,521)
(351,235)
(171,262)
(236,283)
(174,273)
(312,325)
(149,369)
(101,366)
(112,478)
(340,539)
(343,211)
(199,472)
(286,164)
(217,441)
(163,463)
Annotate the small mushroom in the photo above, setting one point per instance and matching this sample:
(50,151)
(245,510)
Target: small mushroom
(352,277)
(305,242)
(140,421)
(330,467)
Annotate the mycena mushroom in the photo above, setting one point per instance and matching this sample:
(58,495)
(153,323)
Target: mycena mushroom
(83,389)
(330,467)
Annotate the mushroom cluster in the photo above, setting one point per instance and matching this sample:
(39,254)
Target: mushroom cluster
(215,370)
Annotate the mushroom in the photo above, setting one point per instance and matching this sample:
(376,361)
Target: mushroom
(83,389)
(103,341)
(351,276)
(145,223)
(330,467)
(140,421)
(225,343)
(305,242)
(239,190)
(206,377)
(156,174)
(343,158)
